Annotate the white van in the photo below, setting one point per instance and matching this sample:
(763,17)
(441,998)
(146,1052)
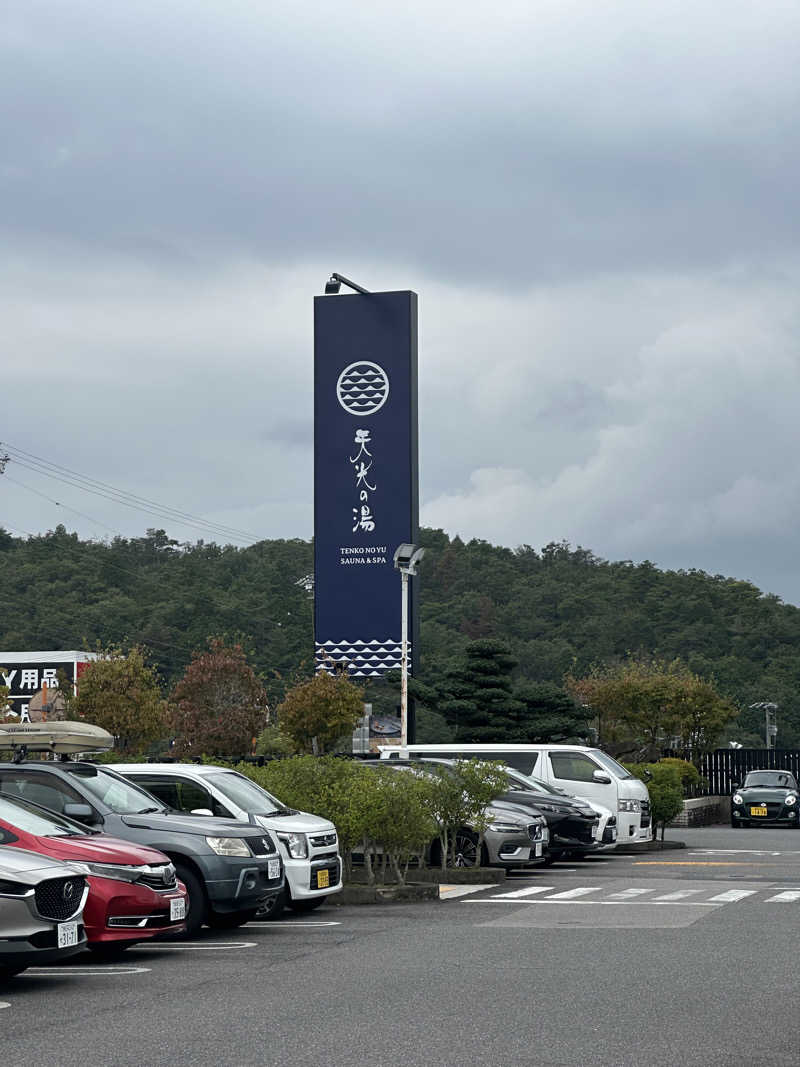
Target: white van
(587,772)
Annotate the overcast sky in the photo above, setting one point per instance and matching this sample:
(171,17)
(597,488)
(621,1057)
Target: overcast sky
(596,202)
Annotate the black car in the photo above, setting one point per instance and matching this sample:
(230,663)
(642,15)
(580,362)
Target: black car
(766,798)
(230,869)
(571,822)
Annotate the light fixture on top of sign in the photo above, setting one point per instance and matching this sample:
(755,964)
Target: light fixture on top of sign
(336,281)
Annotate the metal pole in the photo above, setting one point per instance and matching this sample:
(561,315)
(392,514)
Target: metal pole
(404,659)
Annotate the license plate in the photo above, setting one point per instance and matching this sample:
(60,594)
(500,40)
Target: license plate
(177,910)
(761,810)
(273,868)
(323,879)
(538,848)
(67,934)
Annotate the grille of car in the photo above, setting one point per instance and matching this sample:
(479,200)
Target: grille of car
(535,832)
(160,879)
(645,820)
(321,840)
(59,898)
(325,856)
(261,846)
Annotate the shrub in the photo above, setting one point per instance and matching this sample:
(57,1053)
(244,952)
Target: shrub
(666,791)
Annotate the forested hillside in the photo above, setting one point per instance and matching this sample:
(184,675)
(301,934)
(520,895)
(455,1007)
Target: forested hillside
(560,609)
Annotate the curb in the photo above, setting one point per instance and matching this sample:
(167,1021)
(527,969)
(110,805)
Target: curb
(648,846)
(386,894)
(461,875)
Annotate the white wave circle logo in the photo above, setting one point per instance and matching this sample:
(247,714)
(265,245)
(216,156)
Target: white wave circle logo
(362,388)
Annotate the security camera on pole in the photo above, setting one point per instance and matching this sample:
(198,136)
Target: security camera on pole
(406,559)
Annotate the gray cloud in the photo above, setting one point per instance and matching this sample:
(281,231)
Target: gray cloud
(595,202)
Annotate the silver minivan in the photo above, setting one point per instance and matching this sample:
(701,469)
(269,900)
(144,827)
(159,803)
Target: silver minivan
(308,844)
(41,910)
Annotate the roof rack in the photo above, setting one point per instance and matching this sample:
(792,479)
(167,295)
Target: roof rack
(61,738)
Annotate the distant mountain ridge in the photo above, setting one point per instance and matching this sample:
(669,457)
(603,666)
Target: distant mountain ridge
(559,608)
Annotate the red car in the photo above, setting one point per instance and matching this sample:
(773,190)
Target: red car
(133,892)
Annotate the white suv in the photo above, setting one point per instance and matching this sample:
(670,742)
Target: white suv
(309,845)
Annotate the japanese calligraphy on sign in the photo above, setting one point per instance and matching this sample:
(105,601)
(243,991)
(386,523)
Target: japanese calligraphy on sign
(362,464)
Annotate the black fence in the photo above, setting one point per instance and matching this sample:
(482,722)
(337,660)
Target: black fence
(725,766)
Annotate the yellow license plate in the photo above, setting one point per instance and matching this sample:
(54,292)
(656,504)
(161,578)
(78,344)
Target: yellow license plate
(324,877)
(758,811)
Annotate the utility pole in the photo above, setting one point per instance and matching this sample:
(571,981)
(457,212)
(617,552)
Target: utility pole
(770,724)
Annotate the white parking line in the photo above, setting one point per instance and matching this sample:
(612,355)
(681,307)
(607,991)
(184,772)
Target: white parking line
(286,925)
(731,895)
(4,1004)
(787,896)
(740,852)
(195,946)
(66,972)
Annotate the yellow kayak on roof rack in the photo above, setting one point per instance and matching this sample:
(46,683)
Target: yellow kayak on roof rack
(59,737)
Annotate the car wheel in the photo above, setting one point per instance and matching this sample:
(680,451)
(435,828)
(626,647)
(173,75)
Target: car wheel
(273,909)
(465,849)
(197,911)
(10,972)
(306,905)
(229,920)
(109,950)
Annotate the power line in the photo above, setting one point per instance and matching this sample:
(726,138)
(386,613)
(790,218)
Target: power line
(132,500)
(59,503)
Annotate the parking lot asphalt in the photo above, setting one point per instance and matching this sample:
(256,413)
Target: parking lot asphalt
(682,956)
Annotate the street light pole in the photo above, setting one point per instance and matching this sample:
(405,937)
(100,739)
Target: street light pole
(406,560)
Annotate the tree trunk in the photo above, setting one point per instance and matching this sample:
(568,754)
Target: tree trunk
(397,871)
(445,845)
(368,865)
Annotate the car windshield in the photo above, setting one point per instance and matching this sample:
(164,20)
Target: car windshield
(770,779)
(33,820)
(517,780)
(245,794)
(117,794)
(610,763)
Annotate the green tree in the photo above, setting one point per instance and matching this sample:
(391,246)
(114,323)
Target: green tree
(646,704)
(219,706)
(319,713)
(550,714)
(477,699)
(666,792)
(121,694)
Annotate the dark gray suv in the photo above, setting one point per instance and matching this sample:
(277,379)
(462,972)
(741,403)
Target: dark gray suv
(231,869)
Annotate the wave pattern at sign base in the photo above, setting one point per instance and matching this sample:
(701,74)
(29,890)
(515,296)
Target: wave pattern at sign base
(364,659)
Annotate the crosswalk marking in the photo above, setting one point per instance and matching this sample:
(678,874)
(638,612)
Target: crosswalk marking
(625,894)
(731,895)
(579,892)
(786,897)
(529,892)
(679,894)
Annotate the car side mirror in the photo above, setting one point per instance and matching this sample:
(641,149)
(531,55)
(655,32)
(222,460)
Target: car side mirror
(202,811)
(601,778)
(82,813)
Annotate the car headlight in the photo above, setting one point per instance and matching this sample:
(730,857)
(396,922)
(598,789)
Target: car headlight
(127,872)
(296,845)
(629,805)
(507,827)
(737,798)
(228,846)
(791,799)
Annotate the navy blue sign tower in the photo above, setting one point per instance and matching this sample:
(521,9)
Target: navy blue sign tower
(366,476)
